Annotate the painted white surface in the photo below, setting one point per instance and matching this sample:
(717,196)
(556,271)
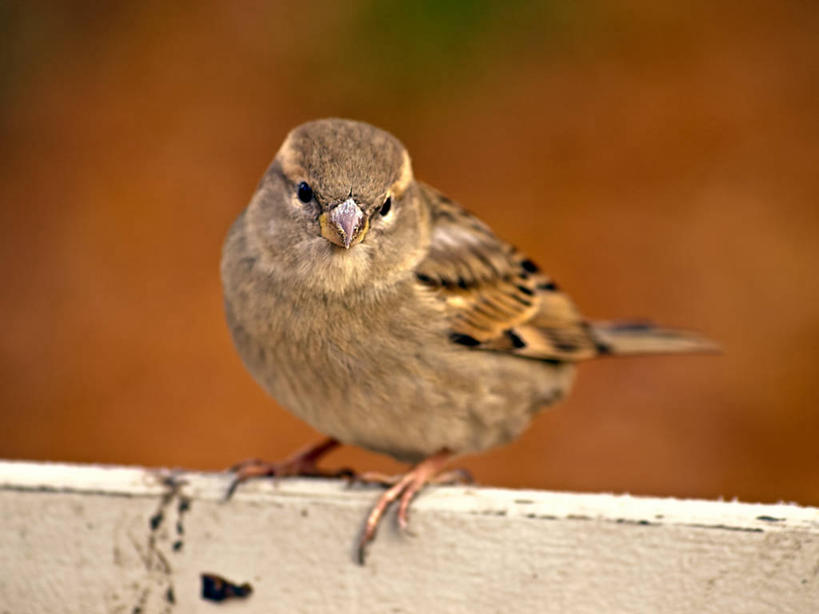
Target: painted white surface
(78,539)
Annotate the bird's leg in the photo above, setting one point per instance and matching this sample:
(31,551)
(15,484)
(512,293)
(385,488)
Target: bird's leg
(302,463)
(403,491)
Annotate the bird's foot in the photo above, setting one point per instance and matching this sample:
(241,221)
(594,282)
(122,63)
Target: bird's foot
(302,463)
(402,489)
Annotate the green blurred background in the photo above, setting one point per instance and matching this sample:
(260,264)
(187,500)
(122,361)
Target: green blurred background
(658,159)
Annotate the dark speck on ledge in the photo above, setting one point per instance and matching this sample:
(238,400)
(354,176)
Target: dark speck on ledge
(217,588)
(156,520)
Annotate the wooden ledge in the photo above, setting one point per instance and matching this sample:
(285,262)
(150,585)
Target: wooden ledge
(89,538)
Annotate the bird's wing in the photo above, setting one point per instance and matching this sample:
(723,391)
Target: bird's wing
(496,298)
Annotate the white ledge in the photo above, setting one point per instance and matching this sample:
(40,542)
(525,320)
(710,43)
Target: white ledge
(124,539)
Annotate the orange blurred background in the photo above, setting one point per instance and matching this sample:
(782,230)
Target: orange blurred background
(659,159)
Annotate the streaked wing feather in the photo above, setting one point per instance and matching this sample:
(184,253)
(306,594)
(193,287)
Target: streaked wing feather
(496,297)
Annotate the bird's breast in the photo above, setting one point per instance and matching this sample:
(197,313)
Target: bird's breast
(379,370)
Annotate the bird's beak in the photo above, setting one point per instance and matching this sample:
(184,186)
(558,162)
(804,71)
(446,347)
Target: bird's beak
(345,224)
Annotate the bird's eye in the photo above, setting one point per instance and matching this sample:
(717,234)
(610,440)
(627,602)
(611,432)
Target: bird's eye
(385,208)
(305,193)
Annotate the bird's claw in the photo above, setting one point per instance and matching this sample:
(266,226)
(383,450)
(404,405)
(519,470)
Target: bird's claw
(302,464)
(402,489)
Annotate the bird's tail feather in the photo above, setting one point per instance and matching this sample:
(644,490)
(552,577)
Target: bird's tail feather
(647,338)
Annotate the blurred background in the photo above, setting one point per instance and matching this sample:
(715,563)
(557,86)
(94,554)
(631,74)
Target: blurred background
(658,159)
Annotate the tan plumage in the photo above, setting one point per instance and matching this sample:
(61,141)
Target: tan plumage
(498,299)
(388,317)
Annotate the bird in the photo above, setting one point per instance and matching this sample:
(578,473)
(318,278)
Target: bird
(387,316)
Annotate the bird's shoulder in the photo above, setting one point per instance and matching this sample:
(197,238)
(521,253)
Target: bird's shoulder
(496,297)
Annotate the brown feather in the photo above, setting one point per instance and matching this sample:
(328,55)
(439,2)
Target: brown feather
(496,296)
(499,300)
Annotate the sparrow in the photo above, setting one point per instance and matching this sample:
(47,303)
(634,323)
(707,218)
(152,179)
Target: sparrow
(388,317)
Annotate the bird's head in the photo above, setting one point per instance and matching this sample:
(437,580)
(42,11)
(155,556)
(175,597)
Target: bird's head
(339,205)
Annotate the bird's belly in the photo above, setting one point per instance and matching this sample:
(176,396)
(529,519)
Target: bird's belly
(409,396)
(412,415)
